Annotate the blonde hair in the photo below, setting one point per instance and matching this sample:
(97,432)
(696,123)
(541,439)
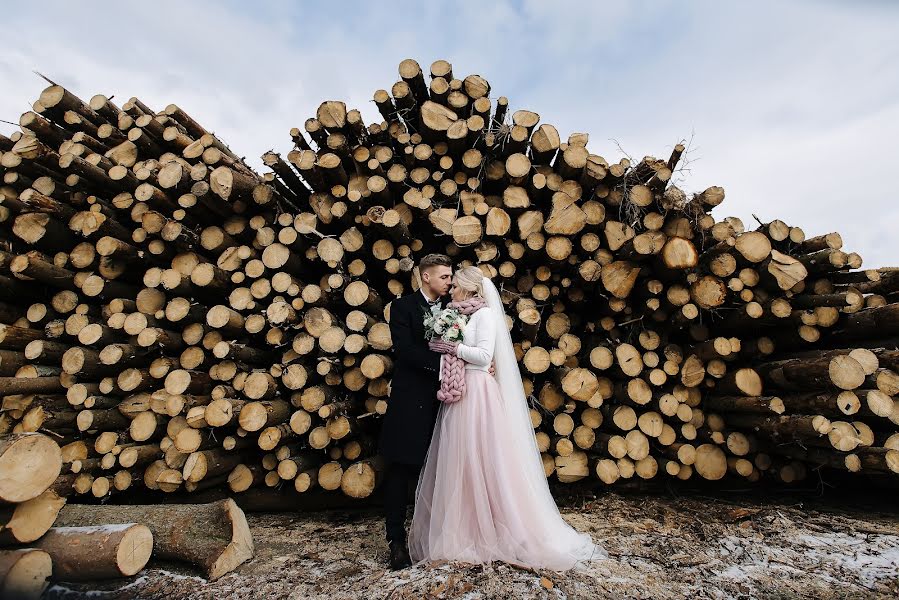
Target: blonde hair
(471,279)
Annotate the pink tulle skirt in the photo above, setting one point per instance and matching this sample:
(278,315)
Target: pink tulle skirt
(473,504)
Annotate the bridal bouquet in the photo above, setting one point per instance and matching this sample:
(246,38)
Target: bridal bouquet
(445,324)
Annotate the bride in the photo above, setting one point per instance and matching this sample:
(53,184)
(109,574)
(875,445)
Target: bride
(482,494)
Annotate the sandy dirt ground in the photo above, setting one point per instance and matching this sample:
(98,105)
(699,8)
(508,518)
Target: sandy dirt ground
(734,545)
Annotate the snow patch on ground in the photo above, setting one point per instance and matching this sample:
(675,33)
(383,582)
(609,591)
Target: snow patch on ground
(177,576)
(834,557)
(60,590)
(871,557)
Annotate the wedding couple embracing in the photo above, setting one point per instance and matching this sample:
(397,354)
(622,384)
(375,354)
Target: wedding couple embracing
(481,492)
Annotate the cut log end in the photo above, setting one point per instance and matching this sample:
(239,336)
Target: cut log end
(24,573)
(29,462)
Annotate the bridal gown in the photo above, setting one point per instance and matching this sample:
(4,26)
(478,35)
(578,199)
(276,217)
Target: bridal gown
(473,501)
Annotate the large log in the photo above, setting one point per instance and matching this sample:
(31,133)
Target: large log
(215,537)
(97,551)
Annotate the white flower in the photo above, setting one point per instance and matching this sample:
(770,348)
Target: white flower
(446,324)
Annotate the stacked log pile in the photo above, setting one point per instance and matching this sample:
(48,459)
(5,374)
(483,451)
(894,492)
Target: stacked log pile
(179,321)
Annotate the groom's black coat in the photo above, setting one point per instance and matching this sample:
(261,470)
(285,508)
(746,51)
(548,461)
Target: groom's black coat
(412,408)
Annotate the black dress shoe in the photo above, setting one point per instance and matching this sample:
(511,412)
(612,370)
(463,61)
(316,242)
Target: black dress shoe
(399,556)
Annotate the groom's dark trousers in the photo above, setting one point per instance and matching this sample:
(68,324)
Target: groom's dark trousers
(396,498)
(411,409)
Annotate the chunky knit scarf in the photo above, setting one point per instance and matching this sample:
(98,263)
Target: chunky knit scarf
(452,386)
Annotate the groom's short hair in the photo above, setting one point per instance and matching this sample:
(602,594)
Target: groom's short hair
(434,260)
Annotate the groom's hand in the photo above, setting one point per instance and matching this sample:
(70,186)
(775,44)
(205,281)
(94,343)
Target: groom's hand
(443,346)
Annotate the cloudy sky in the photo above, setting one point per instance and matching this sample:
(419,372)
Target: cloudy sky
(791,106)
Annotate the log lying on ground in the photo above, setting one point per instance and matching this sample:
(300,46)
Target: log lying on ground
(97,551)
(213,536)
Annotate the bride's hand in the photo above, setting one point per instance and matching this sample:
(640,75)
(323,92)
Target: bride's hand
(493,368)
(443,346)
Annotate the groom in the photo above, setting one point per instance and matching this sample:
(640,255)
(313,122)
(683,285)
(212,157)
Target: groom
(412,408)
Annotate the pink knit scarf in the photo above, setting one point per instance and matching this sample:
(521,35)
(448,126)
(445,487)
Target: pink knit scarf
(452,386)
